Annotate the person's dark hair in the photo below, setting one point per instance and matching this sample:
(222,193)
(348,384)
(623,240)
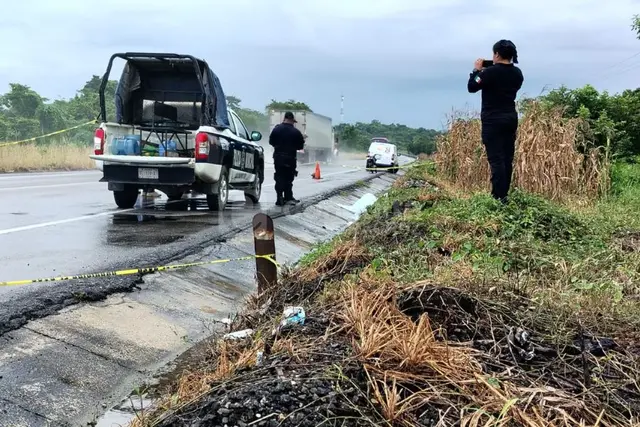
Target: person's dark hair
(507,50)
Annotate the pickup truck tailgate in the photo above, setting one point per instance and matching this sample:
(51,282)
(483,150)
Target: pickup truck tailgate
(147,170)
(142,160)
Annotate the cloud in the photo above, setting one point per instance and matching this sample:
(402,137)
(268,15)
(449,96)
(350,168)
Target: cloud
(394,60)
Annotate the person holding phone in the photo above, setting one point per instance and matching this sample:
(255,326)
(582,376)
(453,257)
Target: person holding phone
(499,80)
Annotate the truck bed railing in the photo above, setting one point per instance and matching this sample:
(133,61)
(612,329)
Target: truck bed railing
(145,55)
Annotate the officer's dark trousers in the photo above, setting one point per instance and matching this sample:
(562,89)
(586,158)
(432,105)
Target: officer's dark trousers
(283,177)
(499,139)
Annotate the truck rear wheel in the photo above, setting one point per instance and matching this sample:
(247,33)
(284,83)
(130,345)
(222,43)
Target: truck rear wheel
(217,202)
(253,196)
(126,198)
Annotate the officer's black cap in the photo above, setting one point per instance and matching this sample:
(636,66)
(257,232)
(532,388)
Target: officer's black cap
(289,116)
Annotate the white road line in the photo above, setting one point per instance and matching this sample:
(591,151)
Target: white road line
(30,187)
(101,214)
(36,175)
(61,221)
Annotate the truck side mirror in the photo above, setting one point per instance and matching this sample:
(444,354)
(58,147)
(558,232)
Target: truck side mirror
(256,136)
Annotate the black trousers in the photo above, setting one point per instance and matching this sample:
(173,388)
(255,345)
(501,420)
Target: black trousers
(284,176)
(499,139)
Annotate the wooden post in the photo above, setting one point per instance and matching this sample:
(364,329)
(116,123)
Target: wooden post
(265,244)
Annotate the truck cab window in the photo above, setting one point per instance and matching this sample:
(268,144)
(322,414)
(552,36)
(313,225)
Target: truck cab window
(242,130)
(232,124)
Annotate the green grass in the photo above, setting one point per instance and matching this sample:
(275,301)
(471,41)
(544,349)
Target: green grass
(319,251)
(565,260)
(621,209)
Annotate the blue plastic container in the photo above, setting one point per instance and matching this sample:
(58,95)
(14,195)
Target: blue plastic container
(128,145)
(172,147)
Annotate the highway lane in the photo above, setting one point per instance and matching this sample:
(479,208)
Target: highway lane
(66,223)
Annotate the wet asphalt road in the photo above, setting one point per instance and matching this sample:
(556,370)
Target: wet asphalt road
(66,223)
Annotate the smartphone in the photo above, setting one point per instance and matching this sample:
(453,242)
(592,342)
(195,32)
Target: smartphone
(487,63)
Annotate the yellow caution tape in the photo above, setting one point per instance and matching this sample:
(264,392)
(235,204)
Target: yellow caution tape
(132,271)
(58,132)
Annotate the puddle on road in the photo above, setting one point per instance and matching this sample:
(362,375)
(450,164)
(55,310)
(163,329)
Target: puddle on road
(147,225)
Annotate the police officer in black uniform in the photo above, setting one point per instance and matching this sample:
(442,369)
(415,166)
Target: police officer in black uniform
(286,141)
(499,84)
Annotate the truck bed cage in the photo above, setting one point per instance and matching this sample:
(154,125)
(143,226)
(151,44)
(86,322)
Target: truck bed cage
(165,79)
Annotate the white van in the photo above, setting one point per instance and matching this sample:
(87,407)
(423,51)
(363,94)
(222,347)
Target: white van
(383,155)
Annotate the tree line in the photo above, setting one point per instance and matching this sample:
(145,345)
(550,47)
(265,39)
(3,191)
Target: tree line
(614,119)
(352,136)
(25,114)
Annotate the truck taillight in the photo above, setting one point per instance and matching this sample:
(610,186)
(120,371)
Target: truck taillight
(98,142)
(202,146)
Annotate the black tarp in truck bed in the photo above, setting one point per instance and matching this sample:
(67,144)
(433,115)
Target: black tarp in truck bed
(166,78)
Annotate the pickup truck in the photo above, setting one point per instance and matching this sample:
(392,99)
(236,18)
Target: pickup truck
(174,132)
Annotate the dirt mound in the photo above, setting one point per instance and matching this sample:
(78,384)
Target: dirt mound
(304,380)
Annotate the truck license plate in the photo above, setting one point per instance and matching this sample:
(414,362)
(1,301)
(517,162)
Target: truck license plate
(146,173)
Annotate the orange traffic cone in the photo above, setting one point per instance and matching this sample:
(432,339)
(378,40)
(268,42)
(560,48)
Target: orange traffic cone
(316,174)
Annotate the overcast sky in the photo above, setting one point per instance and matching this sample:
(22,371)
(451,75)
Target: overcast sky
(402,61)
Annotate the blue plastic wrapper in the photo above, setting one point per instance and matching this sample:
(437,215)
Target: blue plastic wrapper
(293,316)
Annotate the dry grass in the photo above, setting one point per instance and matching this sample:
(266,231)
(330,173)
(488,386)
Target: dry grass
(31,158)
(342,258)
(413,371)
(549,156)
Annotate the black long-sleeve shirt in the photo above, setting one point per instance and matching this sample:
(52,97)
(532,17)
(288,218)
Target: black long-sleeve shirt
(500,84)
(285,140)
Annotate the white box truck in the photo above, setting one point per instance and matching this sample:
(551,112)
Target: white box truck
(319,143)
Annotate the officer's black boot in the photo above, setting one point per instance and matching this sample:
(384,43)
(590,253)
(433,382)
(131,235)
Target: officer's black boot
(288,196)
(290,199)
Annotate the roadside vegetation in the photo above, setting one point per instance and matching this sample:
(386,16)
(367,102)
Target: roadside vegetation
(52,157)
(439,306)
(554,158)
